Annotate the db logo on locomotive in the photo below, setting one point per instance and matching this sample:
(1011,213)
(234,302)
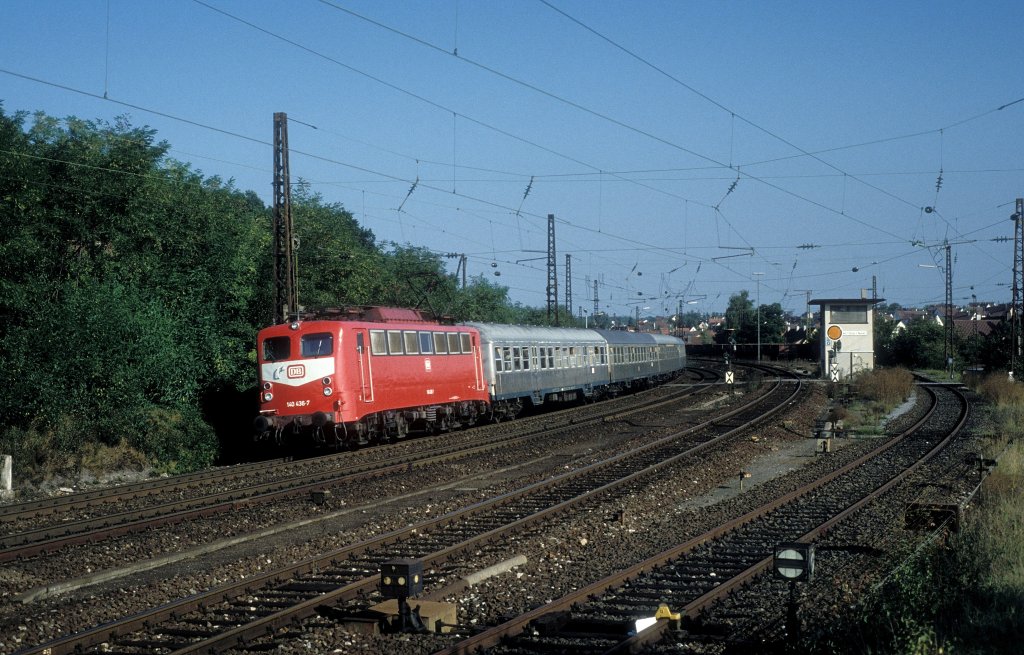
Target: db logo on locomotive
(296,371)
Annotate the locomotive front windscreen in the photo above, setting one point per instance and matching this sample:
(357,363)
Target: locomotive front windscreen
(317,344)
(277,348)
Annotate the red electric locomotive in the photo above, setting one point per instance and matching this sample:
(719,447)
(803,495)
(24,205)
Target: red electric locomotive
(368,375)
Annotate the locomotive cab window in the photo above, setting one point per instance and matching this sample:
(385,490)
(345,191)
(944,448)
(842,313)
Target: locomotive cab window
(453,343)
(466,342)
(277,348)
(378,342)
(317,344)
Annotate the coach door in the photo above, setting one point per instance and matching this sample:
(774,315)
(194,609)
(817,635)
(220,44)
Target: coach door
(365,369)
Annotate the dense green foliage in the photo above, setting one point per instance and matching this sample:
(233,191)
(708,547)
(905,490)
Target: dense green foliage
(922,346)
(741,317)
(132,288)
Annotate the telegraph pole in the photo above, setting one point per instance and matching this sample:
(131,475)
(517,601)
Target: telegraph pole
(286,286)
(552,288)
(1018,285)
(807,309)
(949,310)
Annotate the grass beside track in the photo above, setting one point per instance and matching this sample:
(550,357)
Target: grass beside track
(963,593)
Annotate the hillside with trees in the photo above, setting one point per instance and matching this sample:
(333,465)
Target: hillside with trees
(132,287)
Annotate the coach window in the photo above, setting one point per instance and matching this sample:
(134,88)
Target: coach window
(543,360)
(412,343)
(517,358)
(506,356)
(467,343)
(378,342)
(317,344)
(276,348)
(453,343)
(497,359)
(440,343)
(394,342)
(426,343)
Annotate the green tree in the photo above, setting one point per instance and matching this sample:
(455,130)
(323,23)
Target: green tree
(130,288)
(338,261)
(742,316)
(920,345)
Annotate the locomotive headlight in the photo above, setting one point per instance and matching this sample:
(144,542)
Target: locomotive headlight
(267,386)
(267,396)
(326,381)
(294,326)
(328,391)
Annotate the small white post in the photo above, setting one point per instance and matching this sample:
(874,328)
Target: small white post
(6,477)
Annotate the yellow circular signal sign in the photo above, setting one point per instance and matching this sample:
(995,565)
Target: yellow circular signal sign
(834,332)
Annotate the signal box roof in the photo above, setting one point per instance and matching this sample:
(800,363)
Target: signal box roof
(846,301)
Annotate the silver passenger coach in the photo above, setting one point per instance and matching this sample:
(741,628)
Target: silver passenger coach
(527,364)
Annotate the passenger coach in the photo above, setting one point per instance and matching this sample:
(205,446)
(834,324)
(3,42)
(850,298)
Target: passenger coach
(537,364)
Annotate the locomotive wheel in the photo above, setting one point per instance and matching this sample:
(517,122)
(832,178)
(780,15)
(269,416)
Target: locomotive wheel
(401,426)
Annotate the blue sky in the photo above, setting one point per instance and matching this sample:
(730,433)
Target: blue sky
(683,147)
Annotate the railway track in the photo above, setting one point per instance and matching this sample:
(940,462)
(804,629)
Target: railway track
(689,578)
(237,612)
(266,482)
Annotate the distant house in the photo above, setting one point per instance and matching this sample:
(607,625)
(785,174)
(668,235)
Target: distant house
(904,317)
(979,319)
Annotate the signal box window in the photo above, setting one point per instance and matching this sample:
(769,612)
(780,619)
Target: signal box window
(849,314)
(277,348)
(394,342)
(378,342)
(317,344)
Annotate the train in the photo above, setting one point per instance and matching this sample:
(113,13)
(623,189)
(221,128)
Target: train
(376,374)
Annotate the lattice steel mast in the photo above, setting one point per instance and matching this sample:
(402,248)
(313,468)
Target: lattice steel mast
(286,287)
(552,288)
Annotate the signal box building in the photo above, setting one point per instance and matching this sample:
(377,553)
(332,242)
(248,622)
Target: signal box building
(847,336)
